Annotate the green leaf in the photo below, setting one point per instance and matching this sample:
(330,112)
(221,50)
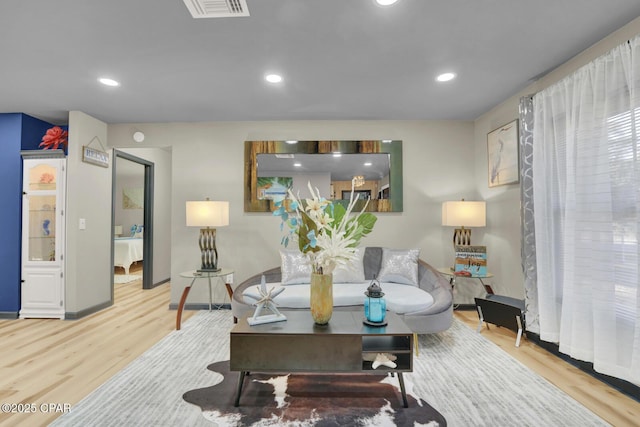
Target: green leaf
(305,227)
(367,220)
(338,213)
(362,225)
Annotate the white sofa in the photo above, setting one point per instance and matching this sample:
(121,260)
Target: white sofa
(426,306)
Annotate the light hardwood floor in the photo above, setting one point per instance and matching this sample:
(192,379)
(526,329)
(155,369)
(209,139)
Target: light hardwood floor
(52,361)
(611,405)
(46,361)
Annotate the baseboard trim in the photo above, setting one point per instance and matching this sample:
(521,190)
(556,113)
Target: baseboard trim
(83,313)
(8,315)
(162,282)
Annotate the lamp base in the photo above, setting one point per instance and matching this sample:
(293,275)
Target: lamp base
(209,253)
(462,237)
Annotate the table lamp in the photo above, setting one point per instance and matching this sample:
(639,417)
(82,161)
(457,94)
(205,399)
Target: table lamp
(208,214)
(461,214)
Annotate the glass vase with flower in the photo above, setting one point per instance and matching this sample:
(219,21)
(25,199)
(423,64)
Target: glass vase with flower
(329,234)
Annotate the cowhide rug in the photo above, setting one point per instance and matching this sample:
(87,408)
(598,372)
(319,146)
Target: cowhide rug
(311,400)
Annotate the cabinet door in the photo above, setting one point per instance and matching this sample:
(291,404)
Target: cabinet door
(42,226)
(42,293)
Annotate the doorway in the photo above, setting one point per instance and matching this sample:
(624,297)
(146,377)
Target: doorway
(138,195)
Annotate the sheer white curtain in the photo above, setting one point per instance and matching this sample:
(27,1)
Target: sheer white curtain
(586,191)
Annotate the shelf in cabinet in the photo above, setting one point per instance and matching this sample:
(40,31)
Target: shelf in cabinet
(386,343)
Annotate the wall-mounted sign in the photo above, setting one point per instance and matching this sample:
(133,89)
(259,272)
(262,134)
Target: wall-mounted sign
(96,157)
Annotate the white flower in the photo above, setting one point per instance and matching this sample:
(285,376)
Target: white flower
(336,250)
(325,231)
(323,220)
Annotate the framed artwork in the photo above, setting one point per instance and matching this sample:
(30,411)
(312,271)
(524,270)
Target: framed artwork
(502,155)
(274,188)
(133,198)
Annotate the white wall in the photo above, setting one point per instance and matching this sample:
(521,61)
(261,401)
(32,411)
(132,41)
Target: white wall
(127,217)
(208,161)
(88,275)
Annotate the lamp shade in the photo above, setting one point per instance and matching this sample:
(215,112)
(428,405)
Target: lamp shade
(207,213)
(465,214)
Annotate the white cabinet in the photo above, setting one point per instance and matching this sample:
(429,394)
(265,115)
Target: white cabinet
(43,243)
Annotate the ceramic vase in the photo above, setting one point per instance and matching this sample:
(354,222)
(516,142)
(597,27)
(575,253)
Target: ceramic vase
(321,298)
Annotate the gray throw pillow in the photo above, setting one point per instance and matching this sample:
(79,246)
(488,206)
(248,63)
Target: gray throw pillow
(399,266)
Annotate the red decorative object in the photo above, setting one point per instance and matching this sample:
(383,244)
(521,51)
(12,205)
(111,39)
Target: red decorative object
(47,178)
(55,138)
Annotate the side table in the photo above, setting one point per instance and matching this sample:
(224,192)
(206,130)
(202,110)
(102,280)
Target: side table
(447,271)
(195,275)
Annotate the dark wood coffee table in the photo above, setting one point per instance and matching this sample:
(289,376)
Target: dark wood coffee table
(298,345)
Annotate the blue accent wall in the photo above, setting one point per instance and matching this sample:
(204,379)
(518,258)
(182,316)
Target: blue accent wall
(17,132)
(32,131)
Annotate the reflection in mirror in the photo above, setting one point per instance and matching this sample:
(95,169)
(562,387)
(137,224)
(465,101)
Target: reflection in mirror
(329,173)
(272,167)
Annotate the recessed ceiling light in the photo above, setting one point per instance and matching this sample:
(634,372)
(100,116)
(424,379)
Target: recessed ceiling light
(386,2)
(297,165)
(108,82)
(291,142)
(367,164)
(445,77)
(273,78)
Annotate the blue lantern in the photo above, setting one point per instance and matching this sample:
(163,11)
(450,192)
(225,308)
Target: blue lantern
(375,306)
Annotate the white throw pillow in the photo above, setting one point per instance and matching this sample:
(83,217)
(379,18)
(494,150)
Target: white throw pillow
(353,271)
(295,267)
(399,266)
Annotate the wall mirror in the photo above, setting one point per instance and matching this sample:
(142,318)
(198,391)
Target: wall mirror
(271,167)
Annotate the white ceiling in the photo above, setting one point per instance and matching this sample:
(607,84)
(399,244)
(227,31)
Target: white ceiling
(341,59)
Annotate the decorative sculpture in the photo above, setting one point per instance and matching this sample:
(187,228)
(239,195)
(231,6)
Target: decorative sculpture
(45,227)
(266,301)
(381,359)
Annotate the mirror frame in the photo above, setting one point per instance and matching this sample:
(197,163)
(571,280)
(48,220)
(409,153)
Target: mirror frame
(392,147)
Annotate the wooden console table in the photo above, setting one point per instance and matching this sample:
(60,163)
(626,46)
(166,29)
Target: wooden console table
(298,345)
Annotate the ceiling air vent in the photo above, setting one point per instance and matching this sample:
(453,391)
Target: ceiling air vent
(217,8)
